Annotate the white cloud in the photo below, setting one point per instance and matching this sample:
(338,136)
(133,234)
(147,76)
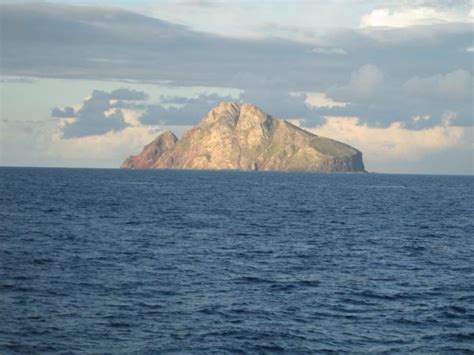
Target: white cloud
(420,118)
(107,150)
(329,50)
(320,99)
(448,117)
(129,116)
(100,150)
(296,121)
(395,144)
(407,16)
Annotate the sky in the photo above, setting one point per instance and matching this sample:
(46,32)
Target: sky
(87,83)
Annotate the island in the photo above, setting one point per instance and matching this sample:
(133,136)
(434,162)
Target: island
(240,136)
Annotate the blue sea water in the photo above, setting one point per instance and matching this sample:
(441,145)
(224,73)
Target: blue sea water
(115,261)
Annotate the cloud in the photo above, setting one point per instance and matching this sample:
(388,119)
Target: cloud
(66,112)
(416,71)
(182,110)
(456,86)
(280,103)
(206,16)
(127,94)
(320,99)
(362,85)
(277,19)
(389,149)
(108,149)
(98,114)
(367,94)
(18,80)
(379,100)
(329,50)
(387,75)
(396,144)
(105,43)
(179,110)
(24,142)
(412,16)
(366,80)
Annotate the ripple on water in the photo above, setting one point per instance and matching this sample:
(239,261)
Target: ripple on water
(112,261)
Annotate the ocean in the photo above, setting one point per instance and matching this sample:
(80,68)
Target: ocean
(126,261)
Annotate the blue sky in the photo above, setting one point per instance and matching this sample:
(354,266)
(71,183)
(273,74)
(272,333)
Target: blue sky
(87,83)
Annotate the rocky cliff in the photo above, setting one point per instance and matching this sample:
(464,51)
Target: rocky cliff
(237,136)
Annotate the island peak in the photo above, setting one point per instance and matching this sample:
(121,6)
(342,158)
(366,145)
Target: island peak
(240,136)
(235,113)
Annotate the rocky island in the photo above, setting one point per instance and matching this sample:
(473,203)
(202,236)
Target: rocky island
(236,136)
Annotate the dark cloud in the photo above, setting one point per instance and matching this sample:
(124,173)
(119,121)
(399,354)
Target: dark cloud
(418,103)
(127,94)
(368,94)
(456,86)
(18,81)
(281,104)
(63,113)
(379,100)
(91,118)
(177,110)
(385,75)
(90,42)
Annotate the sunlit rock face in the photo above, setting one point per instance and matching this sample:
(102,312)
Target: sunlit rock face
(236,136)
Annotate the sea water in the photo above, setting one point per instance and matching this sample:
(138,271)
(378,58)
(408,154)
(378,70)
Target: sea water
(120,261)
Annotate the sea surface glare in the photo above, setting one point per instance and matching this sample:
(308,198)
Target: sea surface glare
(114,261)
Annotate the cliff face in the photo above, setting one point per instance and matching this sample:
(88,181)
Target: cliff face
(242,137)
(151,152)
